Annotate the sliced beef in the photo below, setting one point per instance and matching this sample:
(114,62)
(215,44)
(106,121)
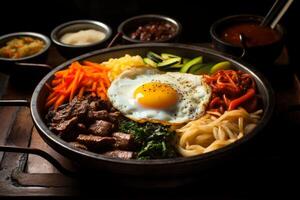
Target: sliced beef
(78,145)
(95,105)
(80,109)
(124,141)
(65,111)
(97,115)
(101,128)
(76,108)
(88,123)
(80,127)
(62,114)
(112,109)
(63,126)
(98,104)
(126,155)
(65,129)
(114,116)
(96,143)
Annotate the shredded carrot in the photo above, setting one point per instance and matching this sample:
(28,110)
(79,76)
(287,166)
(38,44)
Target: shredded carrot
(59,101)
(51,101)
(56,82)
(48,86)
(78,79)
(80,94)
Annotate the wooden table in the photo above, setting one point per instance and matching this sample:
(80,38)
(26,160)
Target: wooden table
(263,163)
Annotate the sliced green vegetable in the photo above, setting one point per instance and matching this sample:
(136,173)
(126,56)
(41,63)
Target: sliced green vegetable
(185,60)
(197,67)
(153,141)
(150,62)
(169,62)
(220,66)
(204,70)
(189,64)
(155,57)
(178,65)
(167,56)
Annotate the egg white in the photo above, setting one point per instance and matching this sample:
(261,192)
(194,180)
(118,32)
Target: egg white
(194,95)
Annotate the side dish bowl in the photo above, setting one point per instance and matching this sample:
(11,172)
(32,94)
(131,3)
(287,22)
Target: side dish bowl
(130,25)
(257,53)
(36,56)
(68,50)
(28,64)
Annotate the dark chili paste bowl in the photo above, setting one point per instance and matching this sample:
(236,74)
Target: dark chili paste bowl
(262,44)
(150,28)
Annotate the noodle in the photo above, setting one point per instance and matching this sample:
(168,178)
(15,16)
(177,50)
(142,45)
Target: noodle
(215,130)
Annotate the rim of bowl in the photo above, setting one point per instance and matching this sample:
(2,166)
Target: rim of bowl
(158,17)
(258,18)
(55,39)
(44,38)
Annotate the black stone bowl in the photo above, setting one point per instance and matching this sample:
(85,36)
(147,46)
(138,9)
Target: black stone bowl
(146,170)
(264,54)
(158,167)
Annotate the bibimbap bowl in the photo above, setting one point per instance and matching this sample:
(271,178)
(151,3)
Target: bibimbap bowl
(154,167)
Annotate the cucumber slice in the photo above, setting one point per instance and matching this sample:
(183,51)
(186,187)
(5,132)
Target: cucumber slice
(190,63)
(178,65)
(169,62)
(204,70)
(166,56)
(150,62)
(197,67)
(185,60)
(155,57)
(220,66)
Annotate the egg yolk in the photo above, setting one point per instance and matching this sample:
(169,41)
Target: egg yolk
(156,95)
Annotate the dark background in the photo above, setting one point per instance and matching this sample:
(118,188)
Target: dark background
(268,171)
(196,16)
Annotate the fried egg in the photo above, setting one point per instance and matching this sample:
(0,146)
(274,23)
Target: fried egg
(147,94)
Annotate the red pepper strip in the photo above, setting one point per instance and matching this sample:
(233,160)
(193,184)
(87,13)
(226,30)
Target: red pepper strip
(215,102)
(226,100)
(251,104)
(231,81)
(214,110)
(236,102)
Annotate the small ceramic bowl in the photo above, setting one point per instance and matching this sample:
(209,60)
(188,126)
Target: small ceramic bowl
(260,54)
(35,57)
(130,25)
(28,65)
(70,51)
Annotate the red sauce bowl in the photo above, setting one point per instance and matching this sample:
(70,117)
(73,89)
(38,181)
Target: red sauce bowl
(263,44)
